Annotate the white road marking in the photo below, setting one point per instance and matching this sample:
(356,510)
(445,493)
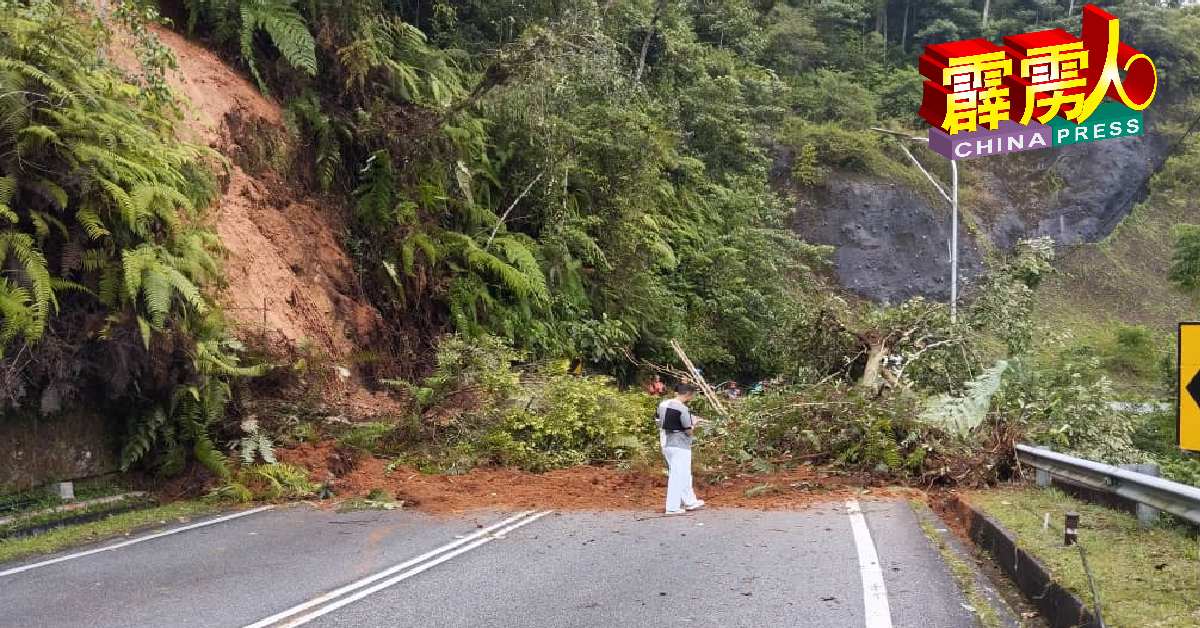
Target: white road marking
(358,584)
(875,601)
(133,541)
(350,599)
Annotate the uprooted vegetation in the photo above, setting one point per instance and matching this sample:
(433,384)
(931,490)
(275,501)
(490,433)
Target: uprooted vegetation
(478,227)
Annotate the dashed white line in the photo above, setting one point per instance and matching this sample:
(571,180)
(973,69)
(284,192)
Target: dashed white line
(875,600)
(133,541)
(343,596)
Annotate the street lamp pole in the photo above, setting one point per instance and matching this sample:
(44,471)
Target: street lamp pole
(954,243)
(951,198)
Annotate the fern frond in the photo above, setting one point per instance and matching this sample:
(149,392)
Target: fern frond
(141,435)
(287,30)
(92,225)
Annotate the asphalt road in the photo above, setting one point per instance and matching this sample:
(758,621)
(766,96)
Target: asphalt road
(302,566)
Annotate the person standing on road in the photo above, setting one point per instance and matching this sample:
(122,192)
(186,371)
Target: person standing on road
(675,425)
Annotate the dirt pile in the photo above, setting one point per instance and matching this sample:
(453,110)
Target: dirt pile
(288,275)
(575,488)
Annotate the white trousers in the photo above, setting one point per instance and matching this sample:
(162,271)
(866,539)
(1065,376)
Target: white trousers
(679,479)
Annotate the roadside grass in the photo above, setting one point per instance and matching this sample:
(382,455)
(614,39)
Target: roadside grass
(1120,280)
(39,521)
(33,500)
(1146,578)
(116,525)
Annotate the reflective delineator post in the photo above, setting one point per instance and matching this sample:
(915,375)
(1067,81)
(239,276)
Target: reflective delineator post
(1071,529)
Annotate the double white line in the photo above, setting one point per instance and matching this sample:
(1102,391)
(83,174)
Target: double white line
(302,613)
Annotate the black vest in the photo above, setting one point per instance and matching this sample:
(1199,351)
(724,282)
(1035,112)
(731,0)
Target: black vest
(672,420)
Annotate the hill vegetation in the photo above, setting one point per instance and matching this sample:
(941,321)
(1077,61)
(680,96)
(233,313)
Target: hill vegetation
(557,185)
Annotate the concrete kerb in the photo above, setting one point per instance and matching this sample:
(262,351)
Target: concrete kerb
(984,585)
(1058,606)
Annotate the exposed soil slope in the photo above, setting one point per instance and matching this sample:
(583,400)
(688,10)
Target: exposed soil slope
(286,269)
(288,276)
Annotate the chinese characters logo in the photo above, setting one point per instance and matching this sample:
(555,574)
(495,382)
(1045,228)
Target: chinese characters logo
(1037,79)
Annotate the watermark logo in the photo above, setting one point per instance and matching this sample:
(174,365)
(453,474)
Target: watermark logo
(1038,90)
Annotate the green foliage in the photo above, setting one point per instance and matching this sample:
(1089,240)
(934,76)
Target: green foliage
(570,420)
(104,241)
(255,443)
(1133,351)
(280,20)
(477,409)
(92,175)
(265,482)
(483,364)
(1066,404)
(964,413)
(829,423)
(1004,305)
(365,436)
(1185,266)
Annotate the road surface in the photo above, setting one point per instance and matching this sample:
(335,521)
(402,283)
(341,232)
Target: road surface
(845,564)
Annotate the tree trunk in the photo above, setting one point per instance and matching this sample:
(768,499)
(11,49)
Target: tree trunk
(904,29)
(987,6)
(659,7)
(877,352)
(1071,8)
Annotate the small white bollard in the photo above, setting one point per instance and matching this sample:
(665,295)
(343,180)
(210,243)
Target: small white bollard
(65,490)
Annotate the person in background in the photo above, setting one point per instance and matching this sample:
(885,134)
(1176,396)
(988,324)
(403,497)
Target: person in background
(675,425)
(655,386)
(733,392)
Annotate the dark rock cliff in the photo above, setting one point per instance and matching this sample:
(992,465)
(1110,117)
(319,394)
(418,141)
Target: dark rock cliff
(892,242)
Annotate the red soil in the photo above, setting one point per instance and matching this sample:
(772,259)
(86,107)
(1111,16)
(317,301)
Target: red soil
(288,275)
(576,488)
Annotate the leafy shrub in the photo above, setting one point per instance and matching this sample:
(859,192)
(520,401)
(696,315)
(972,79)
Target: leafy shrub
(1004,304)
(480,364)
(1185,264)
(1180,469)
(1155,433)
(570,420)
(827,95)
(1133,351)
(1066,404)
(269,482)
(832,423)
(833,146)
(365,436)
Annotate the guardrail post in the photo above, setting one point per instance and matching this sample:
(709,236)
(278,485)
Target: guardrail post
(1043,478)
(1146,515)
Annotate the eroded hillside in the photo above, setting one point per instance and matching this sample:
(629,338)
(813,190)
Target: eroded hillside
(288,277)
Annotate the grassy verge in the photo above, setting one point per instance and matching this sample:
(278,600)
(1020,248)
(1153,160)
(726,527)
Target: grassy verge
(38,522)
(41,498)
(116,525)
(964,575)
(1146,578)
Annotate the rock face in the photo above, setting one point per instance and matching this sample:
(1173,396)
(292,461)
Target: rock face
(892,243)
(1092,187)
(40,449)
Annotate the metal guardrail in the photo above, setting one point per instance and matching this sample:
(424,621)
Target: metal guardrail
(1178,499)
